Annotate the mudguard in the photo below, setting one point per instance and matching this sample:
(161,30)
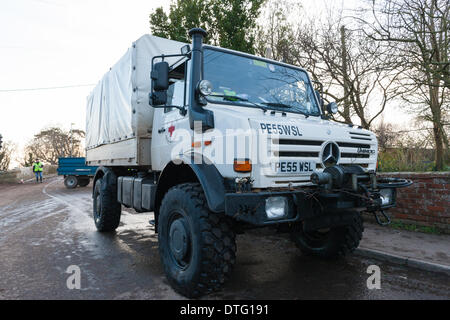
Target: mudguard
(105,173)
(211,180)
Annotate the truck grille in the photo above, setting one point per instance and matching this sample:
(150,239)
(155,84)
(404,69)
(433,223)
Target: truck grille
(290,148)
(355,155)
(311,149)
(353,145)
(298,142)
(360,136)
(293,154)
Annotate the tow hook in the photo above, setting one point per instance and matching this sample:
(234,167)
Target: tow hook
(387,219)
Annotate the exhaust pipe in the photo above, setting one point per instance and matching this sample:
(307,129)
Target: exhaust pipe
(196,111)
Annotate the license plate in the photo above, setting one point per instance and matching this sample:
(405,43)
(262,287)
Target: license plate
(292,167)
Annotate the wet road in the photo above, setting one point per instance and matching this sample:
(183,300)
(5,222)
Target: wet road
(46,228)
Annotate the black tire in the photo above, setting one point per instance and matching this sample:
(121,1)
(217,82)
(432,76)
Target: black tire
(83,182)
(106,209)
(71,182)
(197,247)
(334,243)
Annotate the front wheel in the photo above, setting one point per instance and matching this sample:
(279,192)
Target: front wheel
(197,247)
(330,243)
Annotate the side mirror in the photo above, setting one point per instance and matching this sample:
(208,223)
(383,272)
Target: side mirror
(158,98)
(160,84)
(160,76)
(332,108)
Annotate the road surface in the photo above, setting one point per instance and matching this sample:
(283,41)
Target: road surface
(46,228)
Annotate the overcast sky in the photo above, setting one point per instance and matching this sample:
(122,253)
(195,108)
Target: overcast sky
(55,43)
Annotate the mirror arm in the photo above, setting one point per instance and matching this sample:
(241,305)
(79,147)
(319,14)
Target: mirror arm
(183,109)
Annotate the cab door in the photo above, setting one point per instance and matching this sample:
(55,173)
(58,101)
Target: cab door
(168,120)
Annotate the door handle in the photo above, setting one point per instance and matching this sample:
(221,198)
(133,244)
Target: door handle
(162,130)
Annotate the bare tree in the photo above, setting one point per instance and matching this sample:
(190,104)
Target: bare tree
(356,71)
(275,33)
(53,143)
(386,135)
(8,148)
(418,32)
(27,160)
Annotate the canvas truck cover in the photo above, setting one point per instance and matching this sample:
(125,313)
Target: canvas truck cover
(118,108)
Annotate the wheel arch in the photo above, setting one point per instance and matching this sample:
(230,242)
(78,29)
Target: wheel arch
(189,170)
(100,173)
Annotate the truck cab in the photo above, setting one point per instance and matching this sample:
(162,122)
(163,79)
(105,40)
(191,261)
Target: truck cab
(234,141)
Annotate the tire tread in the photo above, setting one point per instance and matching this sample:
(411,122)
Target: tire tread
(343,241)
(218,249)
(111,209)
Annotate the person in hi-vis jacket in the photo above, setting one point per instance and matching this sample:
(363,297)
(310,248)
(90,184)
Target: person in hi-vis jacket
(38,167)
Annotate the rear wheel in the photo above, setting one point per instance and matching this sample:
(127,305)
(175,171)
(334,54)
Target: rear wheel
(197,247)
(83,182)
(330,243)
(71,182)
(106,209)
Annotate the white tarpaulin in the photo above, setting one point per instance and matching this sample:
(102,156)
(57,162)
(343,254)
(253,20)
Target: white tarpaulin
(118,108)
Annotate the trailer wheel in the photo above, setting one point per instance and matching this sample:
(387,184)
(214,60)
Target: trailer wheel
(197,247)
(71,182)
(83,182)
(332,243)
(107,210)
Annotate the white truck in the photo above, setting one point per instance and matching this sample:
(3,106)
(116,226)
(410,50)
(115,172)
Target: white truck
(214,142)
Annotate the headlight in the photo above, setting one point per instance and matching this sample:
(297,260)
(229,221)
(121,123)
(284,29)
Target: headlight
(205,88)
(387,197)
(276,207)
(332,108)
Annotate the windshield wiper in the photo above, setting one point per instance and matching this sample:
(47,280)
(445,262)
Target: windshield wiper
(229,98)
(237,98)
(276,104)
(282,105)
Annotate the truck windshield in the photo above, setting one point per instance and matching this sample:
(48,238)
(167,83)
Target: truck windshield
(250,82)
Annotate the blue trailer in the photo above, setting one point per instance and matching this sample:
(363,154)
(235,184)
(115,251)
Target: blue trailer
(75,172)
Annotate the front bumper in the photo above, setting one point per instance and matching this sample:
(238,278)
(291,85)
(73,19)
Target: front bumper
(302,204)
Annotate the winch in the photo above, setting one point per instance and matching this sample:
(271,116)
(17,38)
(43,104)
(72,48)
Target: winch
(379,192)
(338,177)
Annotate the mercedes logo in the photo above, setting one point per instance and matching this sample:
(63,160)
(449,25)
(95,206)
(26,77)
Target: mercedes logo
(330,154)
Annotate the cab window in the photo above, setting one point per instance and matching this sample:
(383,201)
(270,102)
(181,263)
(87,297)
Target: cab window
(177,88)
